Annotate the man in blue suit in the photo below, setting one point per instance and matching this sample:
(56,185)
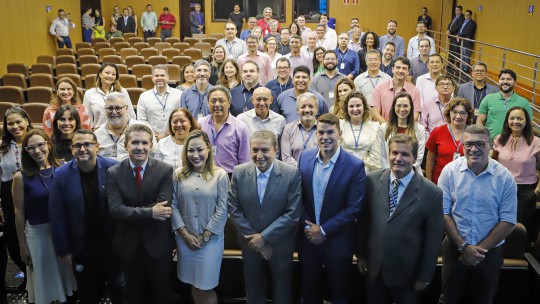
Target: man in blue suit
(333,184)
(80,221)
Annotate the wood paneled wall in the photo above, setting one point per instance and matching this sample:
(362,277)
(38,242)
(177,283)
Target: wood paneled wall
(25,29)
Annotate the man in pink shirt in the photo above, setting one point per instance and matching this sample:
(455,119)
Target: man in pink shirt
(383,95)
(264,23)
(262,60)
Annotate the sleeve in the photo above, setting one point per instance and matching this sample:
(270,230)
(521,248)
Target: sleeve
(219,218)
(431,143)
(373,159)
(47,121)
(416,100)
(88,105)
(58,218)
(484,106)
(356,64)
(236,210)
(291,215)
(376,98)
(410,49)
(52,28)
(445,183)
(193,20)
(508,203)
(401,48)
(243,146)
(421,138)
(176,217)
(131,111)
(433,232)
(141,109)
(118,209)
(286,151)
(496,144)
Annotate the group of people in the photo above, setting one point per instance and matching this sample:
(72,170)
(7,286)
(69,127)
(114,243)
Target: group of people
(300,147)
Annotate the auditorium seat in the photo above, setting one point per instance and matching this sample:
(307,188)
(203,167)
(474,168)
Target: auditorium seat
(65,52)
(206,49)
(90,68)
(191,41)
(199,37)
(148,52)
(87,59)
(181,60)
(42,68)
(134,40)
(47,59)
(121,45)
(134,94)
(14,79)
(4,106)
(153,40)
(139,70)
(146,82)
(155,60)
(160,46)
(181,46)
(19,68)
(140,45)
(85,52)
(82,45)
(127,36)
(39,95)
(89,81)
(98,40)
(170,53)
(195,54)
(115,40)
(41,80)
(105,52)
(66,68)
(124,53)
(210,40)
(75,77)
(35,112)
(128,81)
(11,94)
(112,59)
(65,59)
(133,60)
(174,73)
(172,40)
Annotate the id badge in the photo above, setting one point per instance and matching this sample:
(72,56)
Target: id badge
(342,66)
(214,150)
(456,156)
(266,32)
(114,151)
(199,116)
(330,94)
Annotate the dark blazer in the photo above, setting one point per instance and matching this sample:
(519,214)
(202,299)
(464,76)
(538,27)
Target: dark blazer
(131,210)
(466,90)
(468,32)
(405,246)
(126,28)
(453,28)
(277,217)
(194,21)
(342,201)
(66,206)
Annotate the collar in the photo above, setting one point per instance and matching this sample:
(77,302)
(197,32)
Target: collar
(339,50)
(266,173)
(246,90)
(334,158)
(463,166)
(167,91)
(251,113)
(502,98)
(299,124)
(194,88)
(143,165)
(404,180)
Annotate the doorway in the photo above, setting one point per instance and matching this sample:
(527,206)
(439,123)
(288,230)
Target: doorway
(186,7)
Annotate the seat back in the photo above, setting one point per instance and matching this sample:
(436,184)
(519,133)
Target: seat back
(133,40)
(66,68)
(75,77)
(124,53)
(82,45)
(133,60)
(89,81)
(191,41)
(210,40)
(127,36)
(18,68)
(121,45)
(195,54)
(217,36)
(170,53)
(41,80)
(140,70)
(134,94)
(101,45)
(128,81)
(86,52)
(90,68)
(146,82)
(160,46)
(14,79)
(205,48)
(64,52)
(112,59)
(106,51)
(181,60)
(47,59)
(42,68)
(172,40)
(122,69)
(147,53)
(140,45)
(35,112)
(11,94)
(98,40)
(199,37)
(65,59)
(87,59)
(155,60)
(114,40)
(174,73)
(181,46)
(153,40)
(39,95)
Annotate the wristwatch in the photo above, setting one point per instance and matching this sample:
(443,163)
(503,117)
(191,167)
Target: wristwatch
(463,247)
(206,238)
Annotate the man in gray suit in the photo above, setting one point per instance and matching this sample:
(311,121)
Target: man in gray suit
(264,206)
(139,195)
(477,89)
(401,231)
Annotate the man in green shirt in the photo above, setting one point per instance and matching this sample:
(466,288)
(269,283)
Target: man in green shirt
(494,106)
(113,32)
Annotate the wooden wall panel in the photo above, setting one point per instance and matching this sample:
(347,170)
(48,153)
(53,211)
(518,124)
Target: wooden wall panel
(25,29)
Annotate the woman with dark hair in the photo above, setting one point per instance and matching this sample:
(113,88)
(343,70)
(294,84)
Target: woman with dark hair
(170,148)
(66,94)
(187,77)
(343,88)
(518,150)
(66,122)
(318,55)
(218,58)
(16,125)
(444,143)
(295,30)
(134,16)
(116,14)
(359,131)
(106,83)
(370,41)
(99,24)
(48,278)
(87,25)
(229,76)
(271,49)
(401,120)
(199,214)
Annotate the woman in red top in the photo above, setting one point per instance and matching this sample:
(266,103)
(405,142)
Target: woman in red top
(444,143)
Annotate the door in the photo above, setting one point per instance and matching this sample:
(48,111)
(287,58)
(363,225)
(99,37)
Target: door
(186,7)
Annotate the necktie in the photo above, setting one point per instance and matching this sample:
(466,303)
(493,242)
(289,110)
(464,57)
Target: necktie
(261,186)
(394,195)
(138,176)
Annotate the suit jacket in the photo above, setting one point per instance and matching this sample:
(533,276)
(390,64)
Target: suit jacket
(342,201)
(66,206)
(468,32)
(194,21)
(126,28)
(466,90)
(277,217)
(405,246)
(131,210)
(454,27)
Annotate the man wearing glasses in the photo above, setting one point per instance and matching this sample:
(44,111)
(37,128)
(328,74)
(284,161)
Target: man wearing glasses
(252,22)
(111,135)
(80,221)
(476,90)
(479,205)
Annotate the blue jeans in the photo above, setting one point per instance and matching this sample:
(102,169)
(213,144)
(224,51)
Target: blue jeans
(466,58)
(66,42)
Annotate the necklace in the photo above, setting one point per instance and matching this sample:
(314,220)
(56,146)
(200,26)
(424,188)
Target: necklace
(46,176)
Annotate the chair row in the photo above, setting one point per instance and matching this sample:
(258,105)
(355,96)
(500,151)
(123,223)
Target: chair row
(119,43)
(19,96)
(35,111)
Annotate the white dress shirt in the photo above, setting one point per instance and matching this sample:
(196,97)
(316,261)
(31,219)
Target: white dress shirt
(155,108)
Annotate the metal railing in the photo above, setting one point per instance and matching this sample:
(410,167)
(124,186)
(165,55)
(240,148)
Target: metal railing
(496,57)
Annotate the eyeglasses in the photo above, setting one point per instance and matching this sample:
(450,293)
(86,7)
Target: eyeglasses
(86,145)
(477,144)
(479,71)
(33,148)
(283,68)
(458,113)
(116,109)
(445,85)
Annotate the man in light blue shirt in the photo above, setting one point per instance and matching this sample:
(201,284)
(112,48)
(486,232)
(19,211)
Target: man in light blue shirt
(252,22)
(195,98)
(391,36)
(479,204)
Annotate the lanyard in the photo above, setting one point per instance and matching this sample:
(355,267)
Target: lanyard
(342,58)
(377,82)
(454,140)
(439,106)
(479,96)
(305,141)
(330,82)
(245,101)
(356,138)
(115,145)
(230,47)
(163,105)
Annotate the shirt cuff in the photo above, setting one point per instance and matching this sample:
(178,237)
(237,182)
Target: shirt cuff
(322,231)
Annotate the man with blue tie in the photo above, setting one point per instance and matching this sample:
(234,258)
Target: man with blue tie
(400,232)
(126,23)
(333,185)
(196,18)
(264,206)
(467,30)
(453,29)
(80,221)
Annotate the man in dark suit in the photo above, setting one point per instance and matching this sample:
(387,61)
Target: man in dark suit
(264,205)
(196,19)
(333,184)
(126,23)
(453,29)
(400,233)
(140,194)
(467,30)
(80,221)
